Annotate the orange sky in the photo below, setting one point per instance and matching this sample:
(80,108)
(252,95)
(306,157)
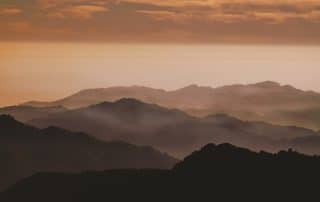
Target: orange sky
(48,71)
(227,21)
(51,48)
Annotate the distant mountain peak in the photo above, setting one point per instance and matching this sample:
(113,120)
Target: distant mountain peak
(195,86)
(275,85)
(192,86)
(223,119)
(123,102)
(220,116)
(267,84)
(128,101)
(112,88)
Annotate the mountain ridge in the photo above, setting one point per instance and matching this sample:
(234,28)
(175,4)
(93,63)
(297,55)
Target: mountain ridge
(222,172)
(25,150)
(265,101)
(25,113)
(174,131)
(264,84)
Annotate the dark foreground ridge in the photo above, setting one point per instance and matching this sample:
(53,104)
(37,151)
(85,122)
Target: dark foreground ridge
(214,173)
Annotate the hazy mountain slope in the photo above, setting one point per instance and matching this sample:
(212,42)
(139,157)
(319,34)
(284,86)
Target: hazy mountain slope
(27,113)
(89,97)
(265,101)
(25,150)
(218,172)
(171,130)
(125,119)
(181,138)
(259,128)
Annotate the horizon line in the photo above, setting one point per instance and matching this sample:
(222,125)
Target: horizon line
(171,90)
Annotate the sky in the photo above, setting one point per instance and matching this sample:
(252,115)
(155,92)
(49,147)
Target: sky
(183,21)
(49,71)
(52,48)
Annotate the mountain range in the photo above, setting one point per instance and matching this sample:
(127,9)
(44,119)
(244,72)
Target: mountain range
(27,113)
(216,172)
(139,128)
(176,132)
(266,101)
(25,150)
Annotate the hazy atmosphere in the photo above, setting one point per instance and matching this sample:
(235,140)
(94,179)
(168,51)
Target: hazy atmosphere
(48,71)
(159,100)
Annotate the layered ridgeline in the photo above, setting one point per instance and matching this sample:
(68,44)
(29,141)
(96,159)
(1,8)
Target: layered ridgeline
(25,150)
(266,101)
(176,132)
(27,113)
(218,172)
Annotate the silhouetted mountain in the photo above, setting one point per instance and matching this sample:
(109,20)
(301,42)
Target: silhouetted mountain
(25,150)
(216,172)
(266,101)
(228,157)
(27,113)
(172,131)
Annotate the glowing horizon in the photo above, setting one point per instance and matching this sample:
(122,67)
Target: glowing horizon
(49,71)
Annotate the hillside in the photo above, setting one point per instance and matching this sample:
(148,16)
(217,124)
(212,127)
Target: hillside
(173,131)
(27,113)
(218,172)
(25,150)
(266,101)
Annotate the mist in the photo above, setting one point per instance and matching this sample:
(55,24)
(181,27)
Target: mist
(48,71)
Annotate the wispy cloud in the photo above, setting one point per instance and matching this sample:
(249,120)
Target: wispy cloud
(10,11)
(198,20)
(78,11)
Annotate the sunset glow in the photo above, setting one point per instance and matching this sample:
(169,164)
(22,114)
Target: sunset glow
(47,71)
(228,21)
(165,44)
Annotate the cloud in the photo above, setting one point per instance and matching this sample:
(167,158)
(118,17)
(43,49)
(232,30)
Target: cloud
(20,26)
(83,11)
(161,20)
(10,11)
(72,8)
(164,15)
(226,11)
